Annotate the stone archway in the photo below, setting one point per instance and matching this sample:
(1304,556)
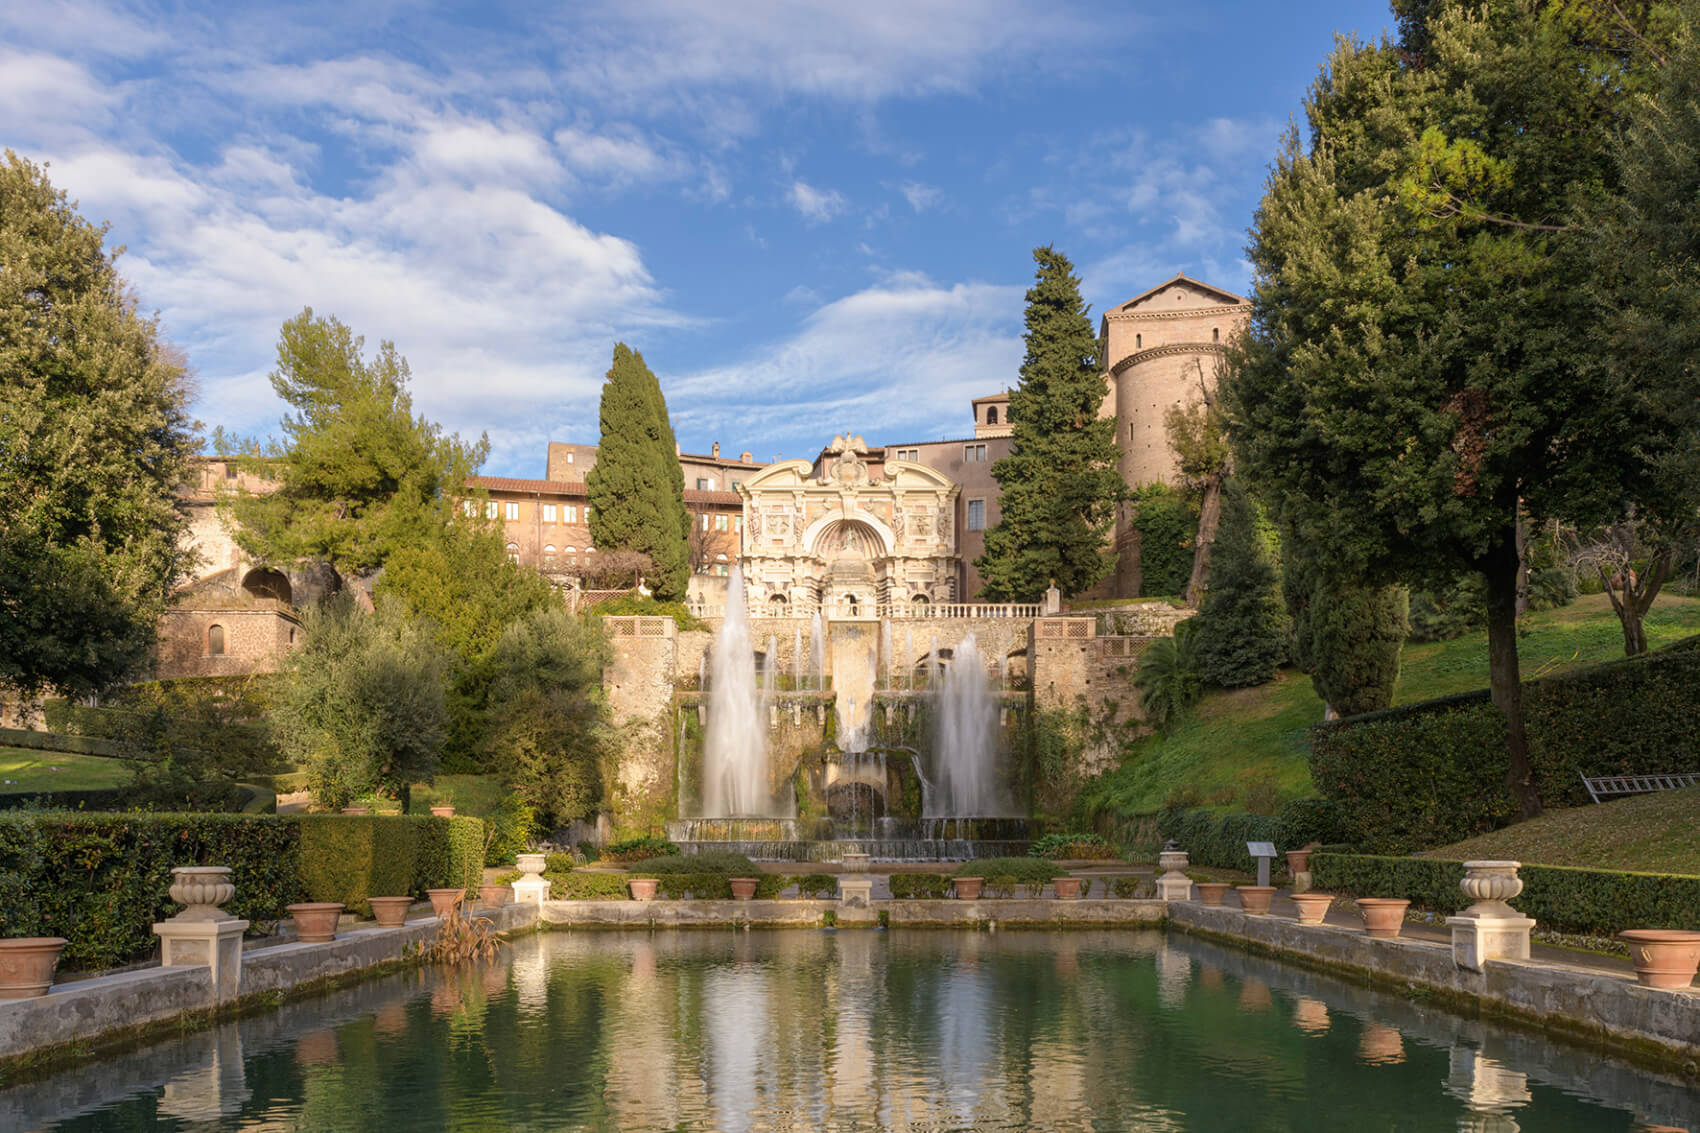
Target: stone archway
(264,582)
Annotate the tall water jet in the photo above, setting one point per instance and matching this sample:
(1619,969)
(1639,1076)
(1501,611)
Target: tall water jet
(734,757)
(964,746)
(797,658)
(885,653)
(817,650)
(909,655)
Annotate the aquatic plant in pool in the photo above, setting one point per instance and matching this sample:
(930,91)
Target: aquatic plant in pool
(841,1030)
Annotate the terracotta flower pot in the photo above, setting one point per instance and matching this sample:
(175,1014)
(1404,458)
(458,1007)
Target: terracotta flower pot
(495,895)
(1313,906)
(1666,958)
(444,900)
(26,965)
(1383,916)
(1298,861)
(1212,892)
(390,912)
(357,810)
(1254,899)
(643,888)
(967,888)
(1068,888)
(442,812)
(315,921)
(743,888)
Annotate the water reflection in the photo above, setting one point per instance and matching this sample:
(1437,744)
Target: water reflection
(856,1030)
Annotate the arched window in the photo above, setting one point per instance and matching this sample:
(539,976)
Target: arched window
(1138,342)
(991,415)
(215,641)
(513,552)
(919,604)
(548,556)
(850,605)
(1215,334)
(776,606)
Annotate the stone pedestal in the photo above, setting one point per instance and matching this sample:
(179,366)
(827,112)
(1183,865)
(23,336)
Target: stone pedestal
(856,892)
(1301,881)
(217,944)
(1490,929)
(530,891)
(1173,884)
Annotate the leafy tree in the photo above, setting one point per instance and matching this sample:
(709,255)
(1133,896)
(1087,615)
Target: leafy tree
(1170,678)
(1413,380)
(1199,437)
(549,721)
(637,489)
(1242,629)
(1167,523)
(94,436)
(1059,482)
(358,475)
(363,709)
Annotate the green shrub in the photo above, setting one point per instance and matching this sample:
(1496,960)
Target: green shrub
(716,861)
(349,858)
(1300,822)
(559,863)
(58,741)
(450,853)
(637,849)
(1167,521)
(1022,870)
(1128,888)
(225,798)
(1433,773)
(1592,901)
(1218,840)
(1241,631)
(906,886)
(588,887)
(101,880)
(508,829)
(816,885)
(1077,845)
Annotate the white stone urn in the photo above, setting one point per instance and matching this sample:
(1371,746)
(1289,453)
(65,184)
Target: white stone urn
(855,861)
(1490,885)
(203,888)
(1172,861)
(1173,884)
(531,864)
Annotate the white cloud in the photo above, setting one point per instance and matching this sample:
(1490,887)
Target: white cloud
(921,197)
(816,205)
(907,353)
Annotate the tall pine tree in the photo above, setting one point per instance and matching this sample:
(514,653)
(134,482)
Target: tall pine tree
(1060,483)
(637,490)
(1241,627)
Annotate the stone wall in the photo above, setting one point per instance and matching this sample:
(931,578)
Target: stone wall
(639,681)
(258,634)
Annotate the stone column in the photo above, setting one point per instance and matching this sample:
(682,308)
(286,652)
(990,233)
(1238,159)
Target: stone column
(1490,929)
(204,934)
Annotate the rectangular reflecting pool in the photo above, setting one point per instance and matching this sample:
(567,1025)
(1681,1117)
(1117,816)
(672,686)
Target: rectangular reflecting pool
(856,1030)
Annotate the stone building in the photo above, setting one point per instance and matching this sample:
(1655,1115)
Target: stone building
(850,534)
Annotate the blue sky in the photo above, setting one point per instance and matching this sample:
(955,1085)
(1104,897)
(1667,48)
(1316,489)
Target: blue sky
(810,218)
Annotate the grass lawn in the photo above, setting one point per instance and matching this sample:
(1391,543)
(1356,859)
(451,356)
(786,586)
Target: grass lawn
(25,769)
(1245,747)
(1658,833)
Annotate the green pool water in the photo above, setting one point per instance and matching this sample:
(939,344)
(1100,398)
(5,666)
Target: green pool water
(856,1030)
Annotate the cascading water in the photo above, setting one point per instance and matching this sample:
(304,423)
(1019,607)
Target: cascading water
(817,651)
(797,657)
(885,653)
(735,742)
(963,741)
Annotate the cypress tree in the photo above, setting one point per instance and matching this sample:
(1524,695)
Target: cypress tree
(1242,632)
(1060,483)
(1356,634)
(637,490)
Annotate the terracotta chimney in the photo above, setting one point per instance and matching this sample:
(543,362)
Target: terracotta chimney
(716,450)
(746,458)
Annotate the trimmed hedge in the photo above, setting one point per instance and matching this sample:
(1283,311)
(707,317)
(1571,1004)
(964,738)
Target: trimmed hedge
(450,853)
(1218,840)
(579,886)
(227,798)
(1594,901)
(905,886)
(706,876)
(638,849)
(815,885)
(102,880)
(1026,871)
(57,741)
(349,858)
(1434,773)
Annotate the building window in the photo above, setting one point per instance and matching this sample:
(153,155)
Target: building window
(991,415)
(569,550)
(974,454)
(230,472)
(705,521)
(468,508)
(1215,334)
(292,635)
(548,556)
(1138,341)
(570,513)
(548,513)
(734,485)
(976,515)
(513,552)
(720,523)
(720,570)
(569,458)
(215,641)
(738,524)
(490,510)
(702,483)
(513,511)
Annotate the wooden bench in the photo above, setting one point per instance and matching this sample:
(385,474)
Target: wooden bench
(1638,784)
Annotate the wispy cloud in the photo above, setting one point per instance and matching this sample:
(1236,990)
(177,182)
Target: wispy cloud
(816,205)
(921,197)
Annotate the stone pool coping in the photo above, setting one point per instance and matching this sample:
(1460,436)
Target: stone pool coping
(74,1017)
(1595,1004)
(907,913)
